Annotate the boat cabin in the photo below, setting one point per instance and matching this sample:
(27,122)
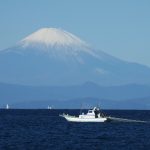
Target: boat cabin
(92,113)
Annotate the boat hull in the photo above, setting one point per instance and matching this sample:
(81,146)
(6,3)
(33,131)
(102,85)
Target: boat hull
(76,119)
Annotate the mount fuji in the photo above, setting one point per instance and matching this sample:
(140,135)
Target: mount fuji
(53,56)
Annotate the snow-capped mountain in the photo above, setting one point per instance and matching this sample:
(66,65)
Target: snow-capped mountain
(52,56)
(55,43)
(52,37)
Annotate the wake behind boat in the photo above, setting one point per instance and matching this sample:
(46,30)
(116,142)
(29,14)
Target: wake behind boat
(93,115)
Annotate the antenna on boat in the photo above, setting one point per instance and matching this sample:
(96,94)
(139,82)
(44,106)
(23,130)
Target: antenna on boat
(81,108)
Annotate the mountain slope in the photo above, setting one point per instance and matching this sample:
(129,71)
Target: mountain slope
(56,57)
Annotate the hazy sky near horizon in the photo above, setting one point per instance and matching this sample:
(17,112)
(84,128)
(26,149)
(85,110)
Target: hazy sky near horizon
(120,28)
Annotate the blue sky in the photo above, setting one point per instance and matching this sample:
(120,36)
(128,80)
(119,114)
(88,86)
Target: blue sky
(120,28)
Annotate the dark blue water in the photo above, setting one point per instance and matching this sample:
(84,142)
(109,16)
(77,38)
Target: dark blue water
(43,129)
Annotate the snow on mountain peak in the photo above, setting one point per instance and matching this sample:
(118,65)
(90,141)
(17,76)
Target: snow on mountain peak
(53,37)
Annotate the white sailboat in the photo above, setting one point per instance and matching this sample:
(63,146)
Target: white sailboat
(93,115)
(7,106)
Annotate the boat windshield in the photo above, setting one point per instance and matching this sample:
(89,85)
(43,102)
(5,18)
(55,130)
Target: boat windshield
(90,111)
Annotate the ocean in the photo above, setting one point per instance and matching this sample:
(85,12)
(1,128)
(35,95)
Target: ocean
(41,129)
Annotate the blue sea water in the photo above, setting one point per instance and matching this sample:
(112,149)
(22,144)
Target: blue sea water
(45,130)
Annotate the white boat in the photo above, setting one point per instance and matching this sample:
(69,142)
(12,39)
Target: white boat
(49,107)
(93,115)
